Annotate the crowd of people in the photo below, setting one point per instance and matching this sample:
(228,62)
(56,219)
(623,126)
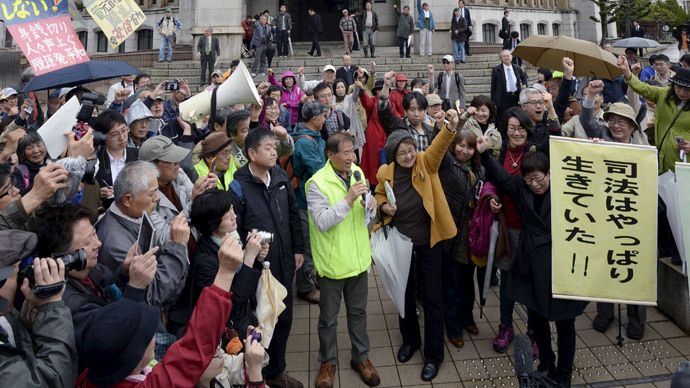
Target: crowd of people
(83,304)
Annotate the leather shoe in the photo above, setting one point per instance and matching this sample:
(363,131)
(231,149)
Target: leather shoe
(325,377)
(367,372)
(313,296)
(457,342)
(429,371)
(473,329)
(406,352)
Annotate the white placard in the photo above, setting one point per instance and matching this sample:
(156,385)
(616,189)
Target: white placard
(52,131)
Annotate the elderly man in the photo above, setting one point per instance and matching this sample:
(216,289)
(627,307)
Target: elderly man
(208,49)
(405,29)
(348,71)
(66,229)
(136,192)
(347,27)
(542,114)
(434,112)
(340,244)
(336,120)
(283,25)
(175,190)
(327,76)
(507,79)
(138,118)
(261,41)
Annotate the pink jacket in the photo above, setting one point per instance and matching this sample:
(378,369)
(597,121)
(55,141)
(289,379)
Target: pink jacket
(289,97)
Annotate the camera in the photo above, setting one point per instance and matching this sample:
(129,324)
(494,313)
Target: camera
(172,86)
(266,237)
(88,102)
(73,261)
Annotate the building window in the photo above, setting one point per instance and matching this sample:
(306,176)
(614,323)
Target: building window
(84,38)
(556,28)
(102,43)
(524,31)
(489,33)
(541,29)
(121,48)
(145,40)
(141,2)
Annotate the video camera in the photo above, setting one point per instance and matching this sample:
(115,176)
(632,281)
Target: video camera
(73,261)
(84,117)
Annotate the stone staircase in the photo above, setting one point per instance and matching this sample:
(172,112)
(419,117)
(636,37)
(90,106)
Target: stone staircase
(477,69)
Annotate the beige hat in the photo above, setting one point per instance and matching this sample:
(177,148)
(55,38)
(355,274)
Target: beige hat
(433,99)
(624,110)
(162,148)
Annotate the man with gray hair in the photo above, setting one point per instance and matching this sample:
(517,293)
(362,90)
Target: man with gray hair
(208,49)
(536,104)
(136,192)
(36,117)
(261,41)
(507,79)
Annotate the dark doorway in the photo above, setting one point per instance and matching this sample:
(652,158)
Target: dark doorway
(330,12)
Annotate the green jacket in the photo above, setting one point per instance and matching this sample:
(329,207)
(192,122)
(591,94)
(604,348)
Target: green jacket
(341,251)
(308,159)
(665,113)
(202,169)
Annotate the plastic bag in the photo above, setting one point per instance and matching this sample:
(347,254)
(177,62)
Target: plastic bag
(392,253)
(76,167)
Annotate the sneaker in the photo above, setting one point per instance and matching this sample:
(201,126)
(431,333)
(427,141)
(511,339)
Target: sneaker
(601,324)
(503,338)
(535,349)
(325,377)
(252,74)
(262,74)
(284,380)
(367,372)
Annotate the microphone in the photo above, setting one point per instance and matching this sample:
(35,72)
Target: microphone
(523,360)
(358,177)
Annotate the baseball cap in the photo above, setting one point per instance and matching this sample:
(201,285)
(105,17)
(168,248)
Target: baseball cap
(329,67)
(312,109)
(162,148)
(217,72)
(23,243)
(433,99)
(7,92)
(448,58)
(168,10)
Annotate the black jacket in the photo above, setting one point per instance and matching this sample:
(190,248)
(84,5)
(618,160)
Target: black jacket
(508,43)
(274,210)
(530,278)
(456,183)
(348,76)
(215,47)
(459,25)
(362,18)
(639,32)
(104,176)
(315,24)
(505,26)
(498,82)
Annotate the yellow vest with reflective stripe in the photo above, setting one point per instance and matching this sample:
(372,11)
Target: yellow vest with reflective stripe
(202,170)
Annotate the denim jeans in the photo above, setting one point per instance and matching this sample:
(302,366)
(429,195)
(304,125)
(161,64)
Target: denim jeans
(166,41)
(459,46)
(368,36)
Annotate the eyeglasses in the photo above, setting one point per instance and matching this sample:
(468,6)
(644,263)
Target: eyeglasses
(118,134)
(529,181)
(445,62)
(273,107)
(515,129)
(8,188)
(403,154)
(535,102)
(225,153)
(617,121)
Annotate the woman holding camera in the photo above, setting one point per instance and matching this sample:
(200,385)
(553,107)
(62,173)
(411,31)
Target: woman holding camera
(421,213)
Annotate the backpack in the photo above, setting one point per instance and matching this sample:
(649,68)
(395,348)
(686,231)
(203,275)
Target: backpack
(286,164)
(440,78)
(482,219)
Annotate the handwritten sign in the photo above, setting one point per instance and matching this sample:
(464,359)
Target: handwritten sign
(603,220)
(117,18)
(25,11)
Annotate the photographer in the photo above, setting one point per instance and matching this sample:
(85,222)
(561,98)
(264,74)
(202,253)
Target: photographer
(136,191)
(67,228)
(43,354)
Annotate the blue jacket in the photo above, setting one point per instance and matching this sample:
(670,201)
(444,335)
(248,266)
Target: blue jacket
(420,17)
(308,158)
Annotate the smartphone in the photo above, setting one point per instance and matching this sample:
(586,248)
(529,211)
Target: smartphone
(680,140)
(213,167)
(147,234)
(172,86)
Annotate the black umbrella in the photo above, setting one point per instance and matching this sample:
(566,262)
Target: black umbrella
(79,74)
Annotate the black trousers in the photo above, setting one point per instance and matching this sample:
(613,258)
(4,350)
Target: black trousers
(428,263)
(315,44)
(206,62)
(402,44)
(509,100)
(566,342)
(283,46)
(467,45)
(458,296)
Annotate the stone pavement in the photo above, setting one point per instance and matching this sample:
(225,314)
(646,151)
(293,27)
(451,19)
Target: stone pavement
(598,360)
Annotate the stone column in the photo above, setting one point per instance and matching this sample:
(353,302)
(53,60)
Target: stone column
(225,16)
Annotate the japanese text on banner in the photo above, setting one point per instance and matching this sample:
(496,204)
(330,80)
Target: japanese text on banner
(117,18)
(25,11)
(603,220)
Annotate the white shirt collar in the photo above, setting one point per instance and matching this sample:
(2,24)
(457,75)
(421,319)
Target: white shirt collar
(268,181)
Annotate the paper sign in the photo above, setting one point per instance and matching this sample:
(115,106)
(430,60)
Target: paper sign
(117,18)
(52,131)
(603,220)
(49,44)
(25,11)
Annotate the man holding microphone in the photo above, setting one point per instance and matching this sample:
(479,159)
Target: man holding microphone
(340,247)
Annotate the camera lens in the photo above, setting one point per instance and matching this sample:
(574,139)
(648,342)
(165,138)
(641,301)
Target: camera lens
(75,261)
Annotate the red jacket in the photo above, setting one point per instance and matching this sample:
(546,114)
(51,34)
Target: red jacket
(376,139)
(187,359)
(395,98)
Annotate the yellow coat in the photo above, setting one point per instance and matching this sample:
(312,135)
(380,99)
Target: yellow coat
(427,183)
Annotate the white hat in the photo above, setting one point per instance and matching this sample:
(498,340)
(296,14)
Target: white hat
(448,58)
(329,67)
